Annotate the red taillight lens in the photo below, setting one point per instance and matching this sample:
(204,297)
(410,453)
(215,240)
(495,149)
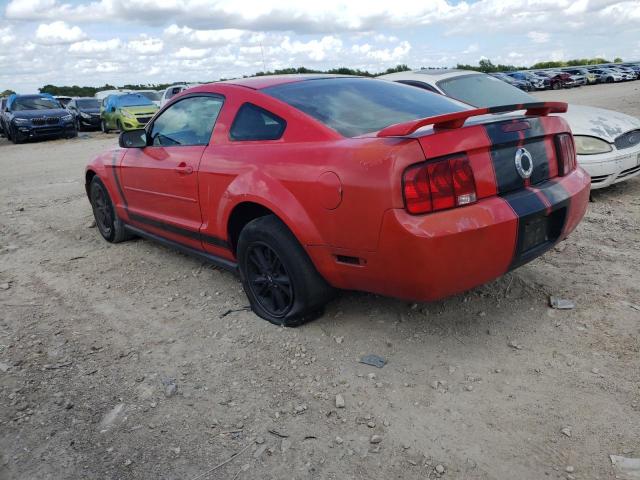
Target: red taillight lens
(464,185)
(566,152)
(417,196)
(439,185)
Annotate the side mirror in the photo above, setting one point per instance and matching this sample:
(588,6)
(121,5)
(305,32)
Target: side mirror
(133,138)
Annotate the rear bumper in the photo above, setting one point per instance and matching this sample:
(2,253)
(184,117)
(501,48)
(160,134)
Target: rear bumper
(429,257)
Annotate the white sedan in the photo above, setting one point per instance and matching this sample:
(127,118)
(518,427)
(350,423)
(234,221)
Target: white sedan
(607,142)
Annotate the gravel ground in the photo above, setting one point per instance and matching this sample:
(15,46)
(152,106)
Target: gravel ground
(132,361)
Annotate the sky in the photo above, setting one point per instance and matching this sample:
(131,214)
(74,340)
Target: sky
(76,42)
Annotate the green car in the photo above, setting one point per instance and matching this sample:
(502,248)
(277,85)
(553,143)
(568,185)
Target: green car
(126,112)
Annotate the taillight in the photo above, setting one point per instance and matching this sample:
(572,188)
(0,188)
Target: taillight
(439,185)
(566,153)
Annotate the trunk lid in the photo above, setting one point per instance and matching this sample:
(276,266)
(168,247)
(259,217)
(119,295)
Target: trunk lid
(506,152)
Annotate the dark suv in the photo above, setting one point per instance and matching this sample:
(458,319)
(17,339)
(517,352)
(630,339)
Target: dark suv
(86,111)
(37,116)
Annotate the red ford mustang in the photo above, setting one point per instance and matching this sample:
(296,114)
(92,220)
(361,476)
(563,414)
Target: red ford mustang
(309,183)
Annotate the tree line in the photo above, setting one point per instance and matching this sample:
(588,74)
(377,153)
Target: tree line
(485,65)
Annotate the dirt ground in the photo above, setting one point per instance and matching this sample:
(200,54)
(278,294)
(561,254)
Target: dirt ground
(132,361)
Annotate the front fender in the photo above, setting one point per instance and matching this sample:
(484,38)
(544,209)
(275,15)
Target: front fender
(105,167)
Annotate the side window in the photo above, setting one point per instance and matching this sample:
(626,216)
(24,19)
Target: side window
(188,122)
(255,123)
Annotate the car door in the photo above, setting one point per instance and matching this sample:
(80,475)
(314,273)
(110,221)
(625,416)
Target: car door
(160,181)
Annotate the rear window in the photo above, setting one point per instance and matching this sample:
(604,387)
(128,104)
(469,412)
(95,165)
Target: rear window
(483,91)
(355,106)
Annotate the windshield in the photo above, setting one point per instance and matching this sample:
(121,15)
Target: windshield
(133,100)
(153,96)
(355,106)
(35,103)
(88,103)
(482,90)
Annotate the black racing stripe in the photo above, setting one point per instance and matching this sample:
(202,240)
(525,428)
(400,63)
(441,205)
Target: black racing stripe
(114,169)
(505,143)
(538,152)
(525,202)
(529,207)
(555,193)
(215,241)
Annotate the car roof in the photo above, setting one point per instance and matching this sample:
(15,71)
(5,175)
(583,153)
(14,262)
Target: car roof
(429,75)
(266,81)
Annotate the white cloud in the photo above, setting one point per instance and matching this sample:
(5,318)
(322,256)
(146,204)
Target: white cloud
(58,32)
(6,35)
(539,37)
(95,46)
(205,37)
(146,45)
(474,47)
(186,52)
(315,49)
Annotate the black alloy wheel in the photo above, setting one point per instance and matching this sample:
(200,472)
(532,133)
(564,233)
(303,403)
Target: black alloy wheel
(269,280)
(280,280)
(102,210)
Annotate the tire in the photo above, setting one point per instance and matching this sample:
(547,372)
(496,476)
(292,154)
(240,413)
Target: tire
(15,137)
(103,126)
(119,126)
(281,282)
(609,79)
(78,126)
(556,85)
(109,225)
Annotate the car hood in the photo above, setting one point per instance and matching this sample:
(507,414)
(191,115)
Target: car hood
(150,109)
(54,112)
(89,110)
(598,122)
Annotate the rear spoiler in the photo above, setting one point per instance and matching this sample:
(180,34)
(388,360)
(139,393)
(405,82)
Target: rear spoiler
(457,119)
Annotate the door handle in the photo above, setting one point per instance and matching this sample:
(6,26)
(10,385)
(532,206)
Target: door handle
(184,169)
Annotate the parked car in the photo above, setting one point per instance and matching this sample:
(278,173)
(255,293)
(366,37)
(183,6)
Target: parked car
(521,84)
(605,75)
(536,81)
(36,116)
(558,79)
(171,92)
(64,101)
(103,94)
(308,183)
(3,103)
(126,112)
(633,66)
(589,77)
(607,142)
(86,112)
(629,73)
(152,95)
